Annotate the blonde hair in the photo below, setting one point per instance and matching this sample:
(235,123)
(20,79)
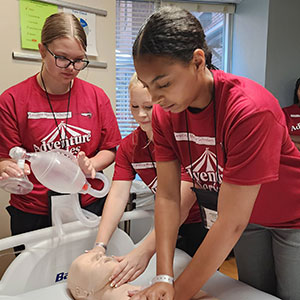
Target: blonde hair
(134,81)
(63,25)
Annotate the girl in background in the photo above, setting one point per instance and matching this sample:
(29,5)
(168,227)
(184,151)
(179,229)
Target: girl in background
(292,115)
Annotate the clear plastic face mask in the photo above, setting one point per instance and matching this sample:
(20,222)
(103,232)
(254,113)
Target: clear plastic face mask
(17,185)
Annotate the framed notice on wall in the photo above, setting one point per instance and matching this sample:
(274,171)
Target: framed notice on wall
(32,17)
(88,22)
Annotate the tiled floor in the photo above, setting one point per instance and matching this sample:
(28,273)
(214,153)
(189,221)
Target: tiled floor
(229,268)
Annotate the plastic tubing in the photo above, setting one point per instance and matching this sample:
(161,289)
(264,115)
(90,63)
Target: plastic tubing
(105,189)
(87,218)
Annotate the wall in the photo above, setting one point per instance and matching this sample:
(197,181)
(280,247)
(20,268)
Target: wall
(283,63)
(266,45)
(13,71)
(250,39)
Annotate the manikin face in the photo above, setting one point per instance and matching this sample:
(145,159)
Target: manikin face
(67,47)
(89,273)
(141,106)
(172,84)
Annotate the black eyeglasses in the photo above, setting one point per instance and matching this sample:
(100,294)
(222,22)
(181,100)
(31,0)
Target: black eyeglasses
(63,62)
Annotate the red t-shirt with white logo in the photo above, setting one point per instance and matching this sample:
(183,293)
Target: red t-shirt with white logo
(253,147)
(136,156)
(292,116)
(27,121)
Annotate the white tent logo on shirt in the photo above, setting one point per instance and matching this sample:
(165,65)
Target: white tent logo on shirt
(64,136)
(60,132)
(147,165)
(209,158)
(205,170)
(153,185)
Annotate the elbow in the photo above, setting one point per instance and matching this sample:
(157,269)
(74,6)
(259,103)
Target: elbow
(233,226)
(239,228)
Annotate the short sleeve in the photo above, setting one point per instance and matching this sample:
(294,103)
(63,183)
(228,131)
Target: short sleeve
(123,168)
(162,135)
(110,134)
(253,147)
(9,132)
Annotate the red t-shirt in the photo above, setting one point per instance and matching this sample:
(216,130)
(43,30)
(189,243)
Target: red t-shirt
(253,147)
(292,116)
(27,121)
(134,157)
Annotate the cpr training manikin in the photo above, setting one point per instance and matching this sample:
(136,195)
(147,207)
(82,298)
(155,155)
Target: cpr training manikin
(88,279)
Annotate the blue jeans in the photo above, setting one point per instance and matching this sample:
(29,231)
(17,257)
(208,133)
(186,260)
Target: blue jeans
(269,260)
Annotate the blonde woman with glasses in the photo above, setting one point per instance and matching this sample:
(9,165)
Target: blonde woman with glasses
(55,110)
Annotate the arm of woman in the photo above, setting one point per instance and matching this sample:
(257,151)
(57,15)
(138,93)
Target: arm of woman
(137,260)
(103,159)
(113,209)
(134,263)
(233,217)
(99,162)
(167,220)
(188,198)
(167,214)
(235,204)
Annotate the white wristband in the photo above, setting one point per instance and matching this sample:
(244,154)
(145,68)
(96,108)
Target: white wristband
(163,278)
(101,245)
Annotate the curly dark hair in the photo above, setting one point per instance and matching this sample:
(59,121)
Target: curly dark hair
(173,32)
(296,99)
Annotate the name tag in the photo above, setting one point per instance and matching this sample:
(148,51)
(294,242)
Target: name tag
(210,217)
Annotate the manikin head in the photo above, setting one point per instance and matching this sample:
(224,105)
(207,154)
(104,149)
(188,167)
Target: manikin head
(88,278)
